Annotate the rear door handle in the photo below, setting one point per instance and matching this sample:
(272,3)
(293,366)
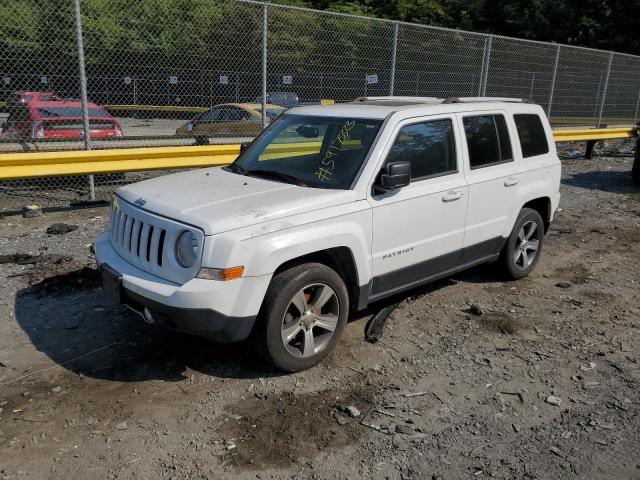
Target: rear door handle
(452,196)
(510,182)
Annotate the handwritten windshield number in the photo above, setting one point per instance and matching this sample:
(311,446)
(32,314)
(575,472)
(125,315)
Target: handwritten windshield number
(325,170)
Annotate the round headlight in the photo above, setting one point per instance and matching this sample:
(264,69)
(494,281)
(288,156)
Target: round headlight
(187,249)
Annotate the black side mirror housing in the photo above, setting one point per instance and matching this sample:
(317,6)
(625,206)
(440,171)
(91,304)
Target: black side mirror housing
(308,132)
(394,176)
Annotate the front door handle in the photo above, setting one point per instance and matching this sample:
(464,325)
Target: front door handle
(452,196)
(510,182)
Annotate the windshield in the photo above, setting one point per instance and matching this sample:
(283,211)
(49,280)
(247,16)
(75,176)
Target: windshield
(312,151)
(71,112)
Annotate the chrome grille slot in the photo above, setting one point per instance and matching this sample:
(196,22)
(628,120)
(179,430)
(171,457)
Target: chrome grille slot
(161,246)
(145,240)
(135,237)
(149,243)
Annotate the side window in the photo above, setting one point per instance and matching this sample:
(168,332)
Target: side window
(487,140)
(428,146)
(237,114)
(209,116)
(533,139)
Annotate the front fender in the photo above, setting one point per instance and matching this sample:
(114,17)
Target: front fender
(262,253)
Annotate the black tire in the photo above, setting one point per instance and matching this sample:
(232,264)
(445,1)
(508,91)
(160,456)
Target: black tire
(267,335)
(507,261)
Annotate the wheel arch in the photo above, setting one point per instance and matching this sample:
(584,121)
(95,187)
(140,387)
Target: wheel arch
(542,205)
(340,259)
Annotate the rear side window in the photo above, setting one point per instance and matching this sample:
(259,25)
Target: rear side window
(487,140)
(429,147)
(533,139)
(71,112)
(209,116)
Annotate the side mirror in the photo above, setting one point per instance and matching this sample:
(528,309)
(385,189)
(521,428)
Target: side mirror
(308,132)
(396,175)
(244,146)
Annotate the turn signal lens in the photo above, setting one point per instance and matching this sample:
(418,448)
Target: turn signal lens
(222,274)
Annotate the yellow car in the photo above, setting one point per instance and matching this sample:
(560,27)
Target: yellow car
(230,119)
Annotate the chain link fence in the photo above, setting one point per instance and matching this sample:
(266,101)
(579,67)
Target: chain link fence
(184,72)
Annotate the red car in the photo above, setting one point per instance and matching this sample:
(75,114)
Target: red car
(57,119)
(23,96)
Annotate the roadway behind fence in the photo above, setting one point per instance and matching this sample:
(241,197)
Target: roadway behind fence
(157,63)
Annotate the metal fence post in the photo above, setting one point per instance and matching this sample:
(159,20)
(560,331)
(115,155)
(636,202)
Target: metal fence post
(604,90)
(264,65)
(635,115)
(553,81)
(394,54)
(486,63)
(484,58)
(83,93)
(533,84)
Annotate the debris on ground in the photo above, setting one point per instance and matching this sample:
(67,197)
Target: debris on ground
(553,400)
(374,329)
(31,211)
(121,425)
(61,228)
(349,410)
(500,322)
(476,309)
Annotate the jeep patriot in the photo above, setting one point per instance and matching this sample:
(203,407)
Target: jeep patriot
(330,208)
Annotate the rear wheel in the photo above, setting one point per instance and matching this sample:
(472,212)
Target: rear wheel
(303,314)
(524,246)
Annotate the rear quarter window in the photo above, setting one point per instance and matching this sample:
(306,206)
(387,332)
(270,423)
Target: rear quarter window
(488,140)
(533,138)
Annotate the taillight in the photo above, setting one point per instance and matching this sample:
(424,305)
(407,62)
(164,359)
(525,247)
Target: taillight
(37,131)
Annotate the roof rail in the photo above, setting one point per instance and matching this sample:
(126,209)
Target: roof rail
(485,99)
(398,99)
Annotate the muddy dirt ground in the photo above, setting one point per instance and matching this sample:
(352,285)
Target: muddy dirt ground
(543,385)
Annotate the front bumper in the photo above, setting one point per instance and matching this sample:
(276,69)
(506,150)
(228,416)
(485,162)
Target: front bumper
(221,311)
(195,321)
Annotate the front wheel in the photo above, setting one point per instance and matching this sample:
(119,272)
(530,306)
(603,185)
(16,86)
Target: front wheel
(524,246)
(302,316)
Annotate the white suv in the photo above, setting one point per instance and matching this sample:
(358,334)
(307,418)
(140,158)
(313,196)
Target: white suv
(329,209)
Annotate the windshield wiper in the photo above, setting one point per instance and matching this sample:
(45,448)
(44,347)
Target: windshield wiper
(275,176)
(236,168)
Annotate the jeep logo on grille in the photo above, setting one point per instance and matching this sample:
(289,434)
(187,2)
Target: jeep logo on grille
(140,202)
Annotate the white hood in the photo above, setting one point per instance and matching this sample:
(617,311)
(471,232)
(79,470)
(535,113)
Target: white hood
(218,201)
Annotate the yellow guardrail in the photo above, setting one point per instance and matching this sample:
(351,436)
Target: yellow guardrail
(15,166)
(570,135)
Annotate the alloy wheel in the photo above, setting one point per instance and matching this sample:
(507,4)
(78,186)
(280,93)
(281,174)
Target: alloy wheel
(310,320)
(527,244)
